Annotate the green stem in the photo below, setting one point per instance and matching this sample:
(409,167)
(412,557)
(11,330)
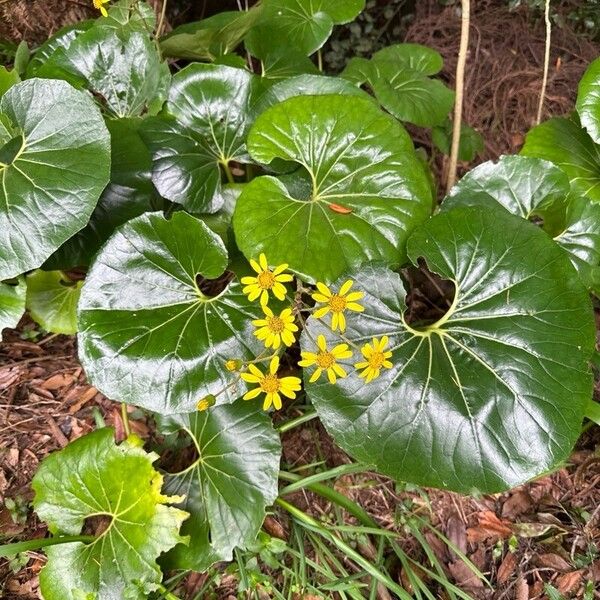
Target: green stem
(333,496)
(125,419)
(302,482)
(29,545)
(352,554)
(319,60)
(228,172)
(309,415)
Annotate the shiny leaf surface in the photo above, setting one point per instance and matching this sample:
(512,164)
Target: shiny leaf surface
(565,143)
(148,335)
(230,484)
(204,126)
(355,157)
(56,135)
(52,301)
(12,303)
(490,395)
(93,477)
(588,101)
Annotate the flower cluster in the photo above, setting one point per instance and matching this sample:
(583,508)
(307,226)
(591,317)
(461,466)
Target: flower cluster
(278,330)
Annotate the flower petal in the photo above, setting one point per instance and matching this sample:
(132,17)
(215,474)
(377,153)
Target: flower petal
(315,375)
(345,287)
(252,394)
(324,289)
(274,365)
(255,266)
(280,269)
(262,259)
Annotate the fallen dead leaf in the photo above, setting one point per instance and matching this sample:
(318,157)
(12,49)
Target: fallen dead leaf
(490,526)
(552,561)
(507,568)
(567,583)
(517,504)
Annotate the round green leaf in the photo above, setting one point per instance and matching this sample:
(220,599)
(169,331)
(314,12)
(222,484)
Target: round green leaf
(470,144)
(123,70)
(230,484)
(580,237)
(416,57)
(588,100)
(368,188)
(63,38)
(93,477)
(12,303)
(212,37)
(147,334)
(531,187)
(301,24)
(204,125)
(53,168)
(409,95)
(130,193)
(52,301)
(565,143)
(492,394)
(305,85)
(7,79)
(526,187)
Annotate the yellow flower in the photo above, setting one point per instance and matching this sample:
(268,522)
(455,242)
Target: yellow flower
(271,385)
(266,281)
(276,329)
(326,360)
(233,365)
(337,303)
(206,402)
(99,5)
(376,357)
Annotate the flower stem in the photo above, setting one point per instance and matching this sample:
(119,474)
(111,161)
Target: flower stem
(36,544)
(125,419)
(307,416)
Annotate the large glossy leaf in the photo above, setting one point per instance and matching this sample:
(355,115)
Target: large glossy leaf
(533,188)
(12,303)
(229,485)
(588,100)
(305,85)
(399,77)
(493,393)
(210,38)
(7,79)
(368,188)
(129,15)
(122,69)
(63,38)
(565,143)
(94,478)
(130,193)
(52,301)
(204,126)
(301,24)
(54,164)
(147,334)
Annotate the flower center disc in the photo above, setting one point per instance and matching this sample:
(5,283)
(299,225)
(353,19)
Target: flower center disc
(266,280)
(376,360)
(275,324)
(270,384)
(325,360)
(337,303)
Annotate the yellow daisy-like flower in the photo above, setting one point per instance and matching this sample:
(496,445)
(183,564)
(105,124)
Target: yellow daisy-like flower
(271,385)
(206,402)
(276,329)
(337,303)
(266,281)
(233,365)
(99,5)
(326,360)
(376,357)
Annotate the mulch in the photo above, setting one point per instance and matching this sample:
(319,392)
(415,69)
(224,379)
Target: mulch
(46,402)
(554,522)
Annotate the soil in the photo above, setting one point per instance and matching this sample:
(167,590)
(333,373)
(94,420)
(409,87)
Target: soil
(46,402)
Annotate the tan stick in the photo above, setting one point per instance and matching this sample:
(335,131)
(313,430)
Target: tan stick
(546,62)
(460,87)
